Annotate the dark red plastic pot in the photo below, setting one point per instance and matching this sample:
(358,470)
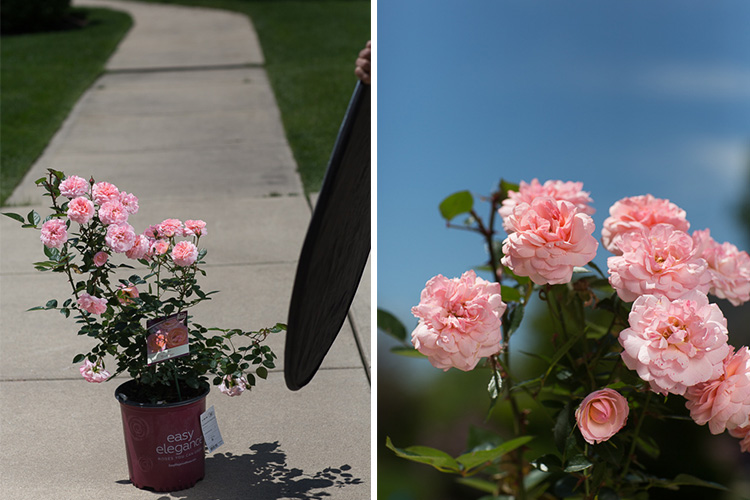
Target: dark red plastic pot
(163,442)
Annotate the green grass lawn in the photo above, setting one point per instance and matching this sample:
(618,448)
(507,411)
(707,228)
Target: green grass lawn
(310,47)
(42,75)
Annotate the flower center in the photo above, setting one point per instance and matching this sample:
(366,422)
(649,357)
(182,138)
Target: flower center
(599,412)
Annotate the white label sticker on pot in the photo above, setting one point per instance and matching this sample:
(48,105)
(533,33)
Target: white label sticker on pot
(211,432)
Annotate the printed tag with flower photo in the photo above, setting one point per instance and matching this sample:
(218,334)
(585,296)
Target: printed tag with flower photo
(167,338)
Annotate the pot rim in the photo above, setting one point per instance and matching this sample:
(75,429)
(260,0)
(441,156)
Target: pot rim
(123,399)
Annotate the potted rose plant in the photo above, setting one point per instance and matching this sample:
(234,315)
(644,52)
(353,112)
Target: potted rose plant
(132,293)
(625,345)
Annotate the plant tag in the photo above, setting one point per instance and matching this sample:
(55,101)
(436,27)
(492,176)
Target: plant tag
(167,338)
(211,433)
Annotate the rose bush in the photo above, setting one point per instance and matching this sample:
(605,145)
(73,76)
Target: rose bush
(89,226)
(645,327)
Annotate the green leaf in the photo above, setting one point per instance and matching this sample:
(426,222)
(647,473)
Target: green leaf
(78,358)
(548,462)
(649,446)
(578,463)
(17,217)
(510,294)
(455,204)
(391,325)
(475,458)
(407,351)
(506,186)
(482,439)
(426,455)
(262,372)
(478,484)
(51,304)
(34,218)
(515,316)
(688,480)
(562,428)
(494,388)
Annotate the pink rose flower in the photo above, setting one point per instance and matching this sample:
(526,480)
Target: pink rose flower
(729,268)
(559,190)
(601,415)
(547,239)
(80,210)
(152,232)
(177,334)
(725,402)
(184,253)
(160,247)
(91,304)
(94,372)
(637,213)
(73,187)
(676,344)
(233,386)
(140,249)
(743,434)
(459,321)
(169,228)
(120,237)
(54,233)
(130,202)
(659,260)
(103,192)
(100,258)
(113,212)
(195,228)
(127,294)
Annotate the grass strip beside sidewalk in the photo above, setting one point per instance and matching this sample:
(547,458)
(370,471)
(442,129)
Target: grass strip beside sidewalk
(42,76)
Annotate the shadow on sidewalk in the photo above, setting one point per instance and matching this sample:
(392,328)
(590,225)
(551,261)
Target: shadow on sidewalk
(263,475)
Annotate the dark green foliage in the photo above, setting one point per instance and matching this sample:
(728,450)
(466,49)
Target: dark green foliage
(26,16)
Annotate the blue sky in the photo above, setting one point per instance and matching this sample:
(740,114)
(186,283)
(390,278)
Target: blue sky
(629,97)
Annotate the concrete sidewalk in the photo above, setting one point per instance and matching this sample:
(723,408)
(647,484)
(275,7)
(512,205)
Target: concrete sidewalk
(185,119)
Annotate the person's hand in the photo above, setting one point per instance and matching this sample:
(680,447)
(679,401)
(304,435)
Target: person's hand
(363,63)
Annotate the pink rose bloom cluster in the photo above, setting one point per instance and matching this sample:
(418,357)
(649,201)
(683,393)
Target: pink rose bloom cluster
(637,213)
(675,344)
(743,434)
(54,233)
(601,415)
(654,254)
(73,187)
(81,210)
(728,268)
(233,386)
(658,260)
(547,239)
(91,304)
(114,209)
(724,402)
(459,321)
(562,191)
(94,372)
(677,340)
(184,254)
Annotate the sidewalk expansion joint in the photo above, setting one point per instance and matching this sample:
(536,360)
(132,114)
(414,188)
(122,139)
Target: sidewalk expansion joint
(173,69)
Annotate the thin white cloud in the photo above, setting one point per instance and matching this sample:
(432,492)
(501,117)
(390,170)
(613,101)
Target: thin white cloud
(726,157)
(696,81)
